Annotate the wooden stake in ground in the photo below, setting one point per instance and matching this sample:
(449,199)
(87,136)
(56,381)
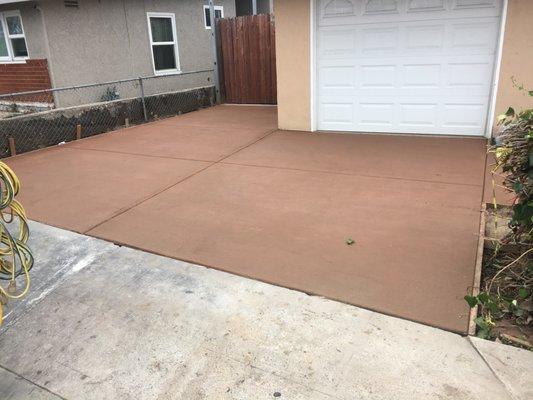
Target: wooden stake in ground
(12,147)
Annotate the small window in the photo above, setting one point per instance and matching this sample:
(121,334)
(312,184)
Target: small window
(163,43)
(219,13)
(12,40)
(71,3)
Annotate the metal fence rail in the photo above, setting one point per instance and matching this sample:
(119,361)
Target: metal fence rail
(42,118)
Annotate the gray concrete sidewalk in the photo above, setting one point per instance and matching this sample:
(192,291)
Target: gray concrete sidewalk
(108,322)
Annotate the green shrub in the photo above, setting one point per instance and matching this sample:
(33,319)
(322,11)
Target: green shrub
(507,292)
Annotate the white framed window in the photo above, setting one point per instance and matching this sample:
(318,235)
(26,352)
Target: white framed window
(12,39)
(219,13)
(163,43)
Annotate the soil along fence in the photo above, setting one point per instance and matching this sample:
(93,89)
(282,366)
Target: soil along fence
(30,121)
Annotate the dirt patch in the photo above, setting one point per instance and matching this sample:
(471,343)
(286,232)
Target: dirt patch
(506,275)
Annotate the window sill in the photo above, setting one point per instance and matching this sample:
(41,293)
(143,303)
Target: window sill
(21,61)
(167,72)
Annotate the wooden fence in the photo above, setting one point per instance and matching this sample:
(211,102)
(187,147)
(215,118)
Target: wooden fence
(248,59)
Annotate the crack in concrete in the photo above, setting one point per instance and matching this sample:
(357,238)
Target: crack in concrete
(506,387)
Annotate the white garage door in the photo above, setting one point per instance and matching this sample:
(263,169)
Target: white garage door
(406,66)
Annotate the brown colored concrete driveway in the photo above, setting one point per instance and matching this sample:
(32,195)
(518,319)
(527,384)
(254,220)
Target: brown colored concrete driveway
(221,187)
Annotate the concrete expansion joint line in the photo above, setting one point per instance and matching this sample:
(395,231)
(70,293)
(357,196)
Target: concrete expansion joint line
(33,383)
(134,154)
(211,164)
(276,167)
(398,178)
(506,387)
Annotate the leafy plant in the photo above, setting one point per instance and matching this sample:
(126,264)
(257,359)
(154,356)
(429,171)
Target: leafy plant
(111,93)
(514,155)
(13,107)
(508,290)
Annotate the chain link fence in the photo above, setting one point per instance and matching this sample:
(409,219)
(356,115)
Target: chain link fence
(38,119)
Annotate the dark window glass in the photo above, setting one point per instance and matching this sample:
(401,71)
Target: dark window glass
(164,57)
(19,47)
(218,15)
(14,25)
(3,43)
(207,18)
(161,30)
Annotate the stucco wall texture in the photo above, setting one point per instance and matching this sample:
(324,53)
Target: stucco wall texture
(292,64)
(104,41)
(294,74)
(517,57)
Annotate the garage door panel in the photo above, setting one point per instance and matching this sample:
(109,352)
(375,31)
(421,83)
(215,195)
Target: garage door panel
(424,37)
(376,114)
(473,76)
(426,5)
(337,112)
(383,41)
(466,78)
(377,76)
(449,115)
(421,75)
(474,35)
(338,42)
(468,37)
(338,77)
(468,4)
(419,115)
(355,11)
(463,115)
(418,71)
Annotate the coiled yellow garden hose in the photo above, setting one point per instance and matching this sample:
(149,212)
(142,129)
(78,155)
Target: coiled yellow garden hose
(15,256)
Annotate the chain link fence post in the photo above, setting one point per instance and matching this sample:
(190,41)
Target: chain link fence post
(214,50)
(142,99)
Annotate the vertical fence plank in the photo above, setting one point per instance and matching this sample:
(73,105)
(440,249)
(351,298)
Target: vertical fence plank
(245,60)
(220,63)
(250,53)
(235,57)
(264,49)
(222,26)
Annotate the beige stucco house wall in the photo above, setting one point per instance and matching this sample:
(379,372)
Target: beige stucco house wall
(293,47)
(517,57)
(293,64)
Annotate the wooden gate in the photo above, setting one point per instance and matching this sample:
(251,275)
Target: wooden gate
(248,59)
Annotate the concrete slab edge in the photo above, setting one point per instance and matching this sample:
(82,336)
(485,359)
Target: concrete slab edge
(477,269)
(30,383)
(494,372)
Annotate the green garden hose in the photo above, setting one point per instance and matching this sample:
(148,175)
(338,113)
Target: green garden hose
(15,256)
